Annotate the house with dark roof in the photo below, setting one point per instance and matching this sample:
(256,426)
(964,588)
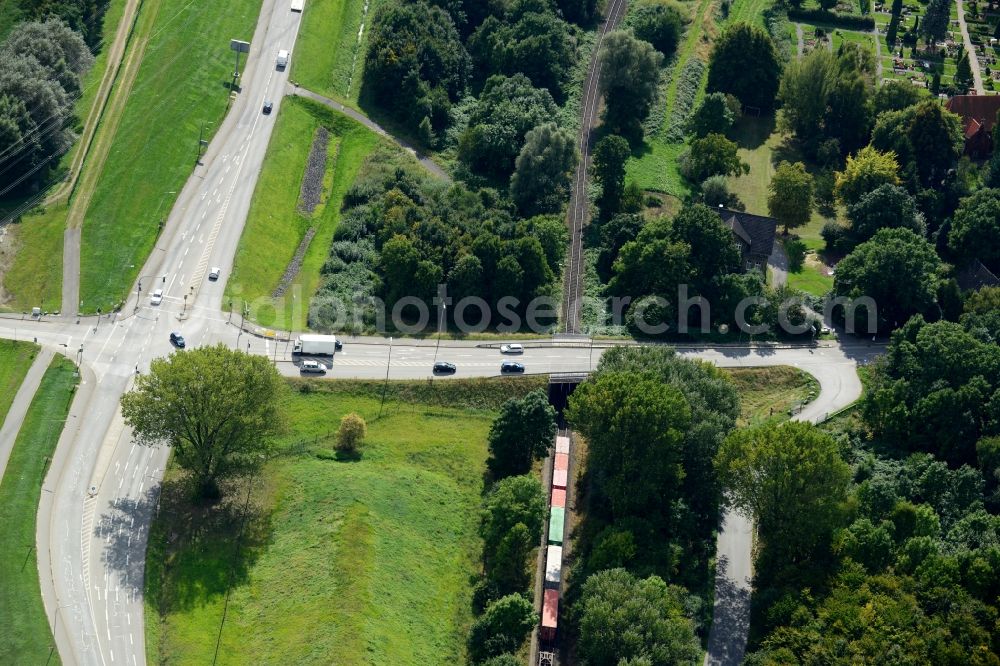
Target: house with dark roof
(754,234)
(979,115)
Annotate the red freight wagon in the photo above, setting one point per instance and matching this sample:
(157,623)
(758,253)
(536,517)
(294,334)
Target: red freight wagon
(559,497)
(550,614)
(559,478)
(562,461)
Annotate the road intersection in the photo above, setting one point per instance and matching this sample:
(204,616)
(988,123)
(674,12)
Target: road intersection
(100,493)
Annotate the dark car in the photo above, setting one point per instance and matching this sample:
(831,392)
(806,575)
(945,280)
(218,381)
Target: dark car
(444,368)
(511,366)
(268,105)
(338,345)
(177,340)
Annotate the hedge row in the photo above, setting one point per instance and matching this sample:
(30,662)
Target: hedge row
(849,21)
(687,90)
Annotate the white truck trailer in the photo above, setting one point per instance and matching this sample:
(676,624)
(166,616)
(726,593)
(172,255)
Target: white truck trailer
(298,5)
(315,345)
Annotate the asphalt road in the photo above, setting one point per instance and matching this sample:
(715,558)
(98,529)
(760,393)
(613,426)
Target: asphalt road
(101,490)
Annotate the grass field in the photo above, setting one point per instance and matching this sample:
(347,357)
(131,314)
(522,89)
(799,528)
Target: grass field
(153,150)
(15,359)
(346,562)
(26,638)
(330,50)
(770,392)
(275,227)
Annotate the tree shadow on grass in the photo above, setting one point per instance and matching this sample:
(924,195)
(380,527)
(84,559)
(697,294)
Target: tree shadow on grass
(202,550)
(753,132)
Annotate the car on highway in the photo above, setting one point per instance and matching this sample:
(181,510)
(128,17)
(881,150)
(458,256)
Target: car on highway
(312,367)
(268,106)
(177,340)
(214,274)
(444,368)
(156,297)
(339,344)
(508,367)
(512,348)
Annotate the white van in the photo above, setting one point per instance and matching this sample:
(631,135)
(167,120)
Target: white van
(282,59)
(298,5)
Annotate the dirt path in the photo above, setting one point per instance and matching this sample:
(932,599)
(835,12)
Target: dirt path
(977,76)
(428,163)
(579,202)
(97,154)
(878,55)
(800,40)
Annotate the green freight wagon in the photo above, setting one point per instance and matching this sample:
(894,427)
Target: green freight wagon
(557,517)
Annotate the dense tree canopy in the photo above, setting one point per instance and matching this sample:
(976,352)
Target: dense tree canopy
(219,409)
(522,433)
(507,109)
(630,71)
(530,40)
(745,64)
(543,170)
(899,270)
(635,430)
(659,23)
(512,501)
(885,207)
(624,618)
(938,390)
(416,64)
(714,115)
(826,97)
(975,230)
(42,64)
(609,158)
(791,478)
(502,628)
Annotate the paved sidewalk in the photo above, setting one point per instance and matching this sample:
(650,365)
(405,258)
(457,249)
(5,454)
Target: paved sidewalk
(19,408)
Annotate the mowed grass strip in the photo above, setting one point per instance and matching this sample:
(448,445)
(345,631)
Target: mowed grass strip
(181,86)
(26,637)
(346,562)
(275,227)
(15,359)
(330,49)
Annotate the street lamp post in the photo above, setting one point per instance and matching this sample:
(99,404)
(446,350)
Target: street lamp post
(442,318)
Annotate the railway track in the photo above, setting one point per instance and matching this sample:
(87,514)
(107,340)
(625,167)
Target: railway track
(579,204)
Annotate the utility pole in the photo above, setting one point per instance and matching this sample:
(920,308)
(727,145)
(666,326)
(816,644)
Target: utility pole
(386,384)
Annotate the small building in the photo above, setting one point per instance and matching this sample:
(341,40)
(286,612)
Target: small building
(979,115)
(754,235)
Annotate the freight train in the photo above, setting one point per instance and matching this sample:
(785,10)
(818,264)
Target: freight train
(553,554)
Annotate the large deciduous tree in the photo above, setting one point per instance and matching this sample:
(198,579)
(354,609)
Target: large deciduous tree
(790,195)
(543,170)
(512,501)
(791,478)
(522,433)
(659,23)
(885,207)
(219,409)
(934,23)
(744,63)
(630,71)
(624,618)
(715,115)
(502,628)
(864,172)
(898,270)
(713,155)
(635,429)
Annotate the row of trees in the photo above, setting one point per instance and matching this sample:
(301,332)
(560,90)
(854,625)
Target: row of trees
(513,516)
(41,65)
